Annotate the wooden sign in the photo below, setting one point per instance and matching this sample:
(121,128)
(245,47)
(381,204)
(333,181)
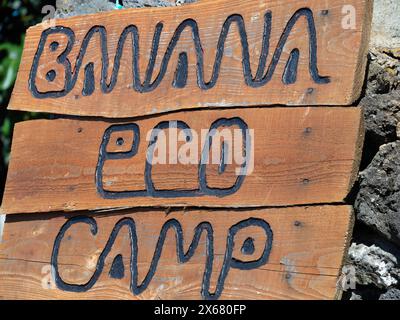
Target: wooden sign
(219,53)
(240,202)
(245,157)
(288,253)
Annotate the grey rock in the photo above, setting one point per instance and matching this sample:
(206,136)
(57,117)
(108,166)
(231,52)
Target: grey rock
(146,3)
(386,23)
(378,202)
(367,236)
(181,2)
(373,266)
(398,130)
(391,294)
(355,296)
(68,8)
(381,115)
(383,71)
(381,102)
(154,3)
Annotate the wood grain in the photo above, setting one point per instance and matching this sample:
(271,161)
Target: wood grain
(301,156)
(340,54)
(304,262)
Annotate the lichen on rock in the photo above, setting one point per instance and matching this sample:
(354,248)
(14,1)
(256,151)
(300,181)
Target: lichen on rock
(374,266)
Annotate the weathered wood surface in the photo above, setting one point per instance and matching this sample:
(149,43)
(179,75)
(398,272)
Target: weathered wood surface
(316,56)
(300,155)
(304,250)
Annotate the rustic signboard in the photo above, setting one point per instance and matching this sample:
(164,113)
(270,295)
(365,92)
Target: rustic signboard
(218,53)
(242,198)
(288,253)
(291,156)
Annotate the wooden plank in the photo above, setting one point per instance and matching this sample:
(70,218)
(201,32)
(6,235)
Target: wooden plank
(287,253)
(286,156)
(209,54)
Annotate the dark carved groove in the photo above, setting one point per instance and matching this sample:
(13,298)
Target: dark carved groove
(117,270)
(182,256)
(150,190)
(181,72)
(290,73)
(88,83)
(107,83)
(224,157)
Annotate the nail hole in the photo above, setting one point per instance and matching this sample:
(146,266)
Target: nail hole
(306,181)
(325,12)
(310,90)
(297,223)
(308,130)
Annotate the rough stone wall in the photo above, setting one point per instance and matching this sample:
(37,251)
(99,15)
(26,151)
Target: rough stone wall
(374,255)
(375,252)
